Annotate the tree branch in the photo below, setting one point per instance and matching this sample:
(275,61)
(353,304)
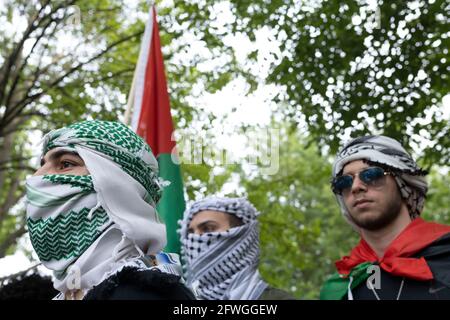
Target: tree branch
(118,73)
(22,66)
(16,110)
(38,71)
(17,167)
(11,198)
(5,153)
(11,239)
(15,160)
(14,54)
(19,274)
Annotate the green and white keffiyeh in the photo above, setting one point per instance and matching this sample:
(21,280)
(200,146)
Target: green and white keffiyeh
(92,223)
(61,219)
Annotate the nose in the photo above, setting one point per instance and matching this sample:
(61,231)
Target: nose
(45,169)
(358,185)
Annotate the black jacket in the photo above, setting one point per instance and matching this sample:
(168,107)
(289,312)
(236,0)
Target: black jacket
(28,287)
(132,284)
(437,256)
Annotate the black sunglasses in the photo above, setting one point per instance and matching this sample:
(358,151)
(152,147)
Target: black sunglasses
(370,176)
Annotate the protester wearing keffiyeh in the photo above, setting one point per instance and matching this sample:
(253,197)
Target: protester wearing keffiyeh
(97,224)
(386,152)
(224,265)
(420,253)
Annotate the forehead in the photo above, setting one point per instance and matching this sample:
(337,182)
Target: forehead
(354,166)
(209,215)
(57,152)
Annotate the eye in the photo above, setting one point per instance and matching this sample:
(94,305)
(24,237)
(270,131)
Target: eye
(371,175)
(65,164)
(343,182)
(210,227)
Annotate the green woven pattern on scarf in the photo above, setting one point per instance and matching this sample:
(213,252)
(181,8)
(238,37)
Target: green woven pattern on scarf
(38,198)
(83,182)
(113,132)
(134,166)
(103,136)
(67,235)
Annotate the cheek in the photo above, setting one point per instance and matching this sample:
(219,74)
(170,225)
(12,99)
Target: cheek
(38,172)
(394,195)
(392,192)
(346,200)
(45,169)
(82,171)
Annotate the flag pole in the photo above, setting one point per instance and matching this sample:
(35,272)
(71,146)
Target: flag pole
(128,111)
(148,113)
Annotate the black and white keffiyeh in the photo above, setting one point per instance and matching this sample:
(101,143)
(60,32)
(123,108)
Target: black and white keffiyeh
(223,265)
(388,153)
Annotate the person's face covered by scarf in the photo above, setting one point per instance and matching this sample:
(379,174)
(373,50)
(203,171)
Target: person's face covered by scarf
(61,161)
(221,252)
(94,176)
(375,180)
(208,221)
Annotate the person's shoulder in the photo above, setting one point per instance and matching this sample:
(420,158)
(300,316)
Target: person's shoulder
(436,249)
(271,293)
(135,284)
(437,256)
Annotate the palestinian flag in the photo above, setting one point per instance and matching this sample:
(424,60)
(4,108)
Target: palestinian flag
(152,120)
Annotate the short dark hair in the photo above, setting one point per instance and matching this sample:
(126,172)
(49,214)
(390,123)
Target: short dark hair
(28,287)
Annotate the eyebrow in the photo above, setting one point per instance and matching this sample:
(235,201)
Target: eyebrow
(204,223)
(58,154)
(200,225)
(352,173)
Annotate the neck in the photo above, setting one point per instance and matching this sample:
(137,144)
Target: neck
(74,295)
(379,240)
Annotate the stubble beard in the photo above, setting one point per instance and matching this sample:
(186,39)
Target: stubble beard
(384,217)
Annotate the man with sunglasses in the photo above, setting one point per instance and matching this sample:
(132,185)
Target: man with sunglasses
(381,192)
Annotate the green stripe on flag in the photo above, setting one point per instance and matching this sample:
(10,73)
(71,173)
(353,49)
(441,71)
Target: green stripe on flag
(172,205)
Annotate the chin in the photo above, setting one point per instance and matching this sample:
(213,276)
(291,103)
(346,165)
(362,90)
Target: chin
(372,221)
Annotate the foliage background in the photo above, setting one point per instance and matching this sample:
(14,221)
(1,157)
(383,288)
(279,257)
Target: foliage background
(330,70)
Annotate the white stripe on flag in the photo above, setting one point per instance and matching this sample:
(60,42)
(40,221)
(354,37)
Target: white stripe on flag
(140,71)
